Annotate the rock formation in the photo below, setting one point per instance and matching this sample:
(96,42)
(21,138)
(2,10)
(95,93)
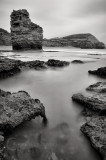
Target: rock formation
(25,34)
(85,41)
(10,67)
(15,108)
(99,72)
(5,37)
(94,103)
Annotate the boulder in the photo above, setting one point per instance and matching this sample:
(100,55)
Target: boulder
(25,34)
(99,72)
(15,108)
(98,87)
(57,63)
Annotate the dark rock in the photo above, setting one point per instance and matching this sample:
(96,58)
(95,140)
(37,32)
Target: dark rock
(5,37)
(95,102)
(77,61)
(98,87)
(15,108)
(57,63)
(84,41)
(8,68)
(95,130)
(25,34)
(99,72)
(95,112)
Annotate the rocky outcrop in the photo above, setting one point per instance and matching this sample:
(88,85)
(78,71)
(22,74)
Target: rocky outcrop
(99,72)
(24,33)
(15,108)
(5,37)
(84,41)
(94,104)
(99,87)
(56,63)
(10,67)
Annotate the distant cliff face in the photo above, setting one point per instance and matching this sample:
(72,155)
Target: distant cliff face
(85,41)
(25,34)
(5,37)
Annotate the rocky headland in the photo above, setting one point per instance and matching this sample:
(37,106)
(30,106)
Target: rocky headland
(10,67)
(94,102)
(25,34)
(99,72)
(15,108)
(5,38)
(84,41)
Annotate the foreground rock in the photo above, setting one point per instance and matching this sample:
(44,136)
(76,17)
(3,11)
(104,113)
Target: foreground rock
(99,72)
(84,41)
(5,38)
(25,35)
(95,112)
(15,108)
(10,67)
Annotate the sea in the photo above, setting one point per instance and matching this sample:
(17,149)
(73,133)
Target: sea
(60,138)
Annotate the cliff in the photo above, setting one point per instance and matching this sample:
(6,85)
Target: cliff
(85,41)
(5,37)
(25,34)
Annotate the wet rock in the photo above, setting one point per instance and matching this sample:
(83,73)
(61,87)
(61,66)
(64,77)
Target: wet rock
(99,72)
(95,130)
(94,104)
(77,61)
(98,87)
(57,63)
(25,35)
(8,68)
(16,108)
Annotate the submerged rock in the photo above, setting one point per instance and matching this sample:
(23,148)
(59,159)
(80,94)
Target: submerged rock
(10,67)
(17,108)
(99,72)
(77,61)
(25,34)
(95,112)
(57,63)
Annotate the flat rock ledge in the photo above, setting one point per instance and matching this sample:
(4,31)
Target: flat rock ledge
(77,61)
(15,108)
(101,72)
(10,67)
(94,104)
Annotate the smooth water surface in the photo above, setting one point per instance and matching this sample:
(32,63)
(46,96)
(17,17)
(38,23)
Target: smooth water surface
(61,138)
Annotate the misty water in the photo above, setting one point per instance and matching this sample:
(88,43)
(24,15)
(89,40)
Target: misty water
(61,138)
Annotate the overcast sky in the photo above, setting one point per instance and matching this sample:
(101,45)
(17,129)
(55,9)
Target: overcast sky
(60,17)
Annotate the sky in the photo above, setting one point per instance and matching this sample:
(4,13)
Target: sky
(60,17)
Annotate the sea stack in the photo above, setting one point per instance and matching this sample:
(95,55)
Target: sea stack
(25,34)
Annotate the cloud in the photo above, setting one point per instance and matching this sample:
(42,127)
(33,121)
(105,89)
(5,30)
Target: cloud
(60,17)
